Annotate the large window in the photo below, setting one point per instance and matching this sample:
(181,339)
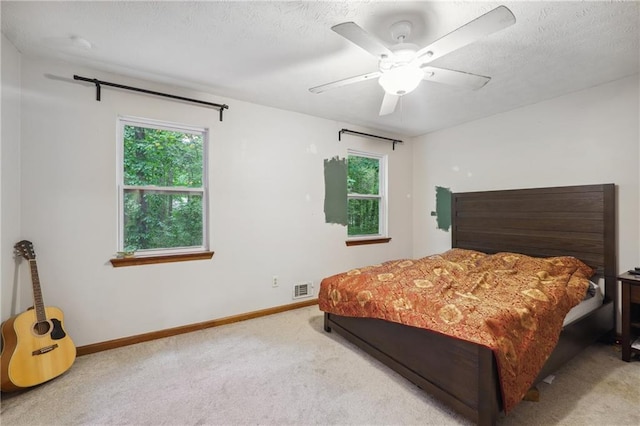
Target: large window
(366,195)
(162,187)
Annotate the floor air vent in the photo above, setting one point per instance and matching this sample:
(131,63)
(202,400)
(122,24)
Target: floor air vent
(301,290)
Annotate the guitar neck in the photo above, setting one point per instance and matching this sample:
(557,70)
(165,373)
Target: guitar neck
(38,303)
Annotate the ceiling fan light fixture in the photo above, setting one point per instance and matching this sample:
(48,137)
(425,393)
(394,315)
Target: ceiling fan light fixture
(401,80)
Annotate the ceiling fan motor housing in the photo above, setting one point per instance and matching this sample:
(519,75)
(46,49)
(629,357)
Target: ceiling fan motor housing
(400,30)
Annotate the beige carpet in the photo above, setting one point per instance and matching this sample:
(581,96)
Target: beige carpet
(285,370)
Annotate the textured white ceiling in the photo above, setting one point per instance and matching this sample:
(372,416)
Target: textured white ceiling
(271,53)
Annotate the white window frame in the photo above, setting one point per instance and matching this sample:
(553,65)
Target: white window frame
(203,190)
(381,196)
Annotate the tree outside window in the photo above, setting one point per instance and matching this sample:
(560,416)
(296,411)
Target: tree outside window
(366,194)
(162,187)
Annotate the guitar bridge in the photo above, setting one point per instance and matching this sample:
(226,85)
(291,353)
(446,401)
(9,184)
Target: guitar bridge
(44,350)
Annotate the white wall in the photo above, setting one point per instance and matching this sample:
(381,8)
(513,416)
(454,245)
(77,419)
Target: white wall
(587,137)
(267,201)
(9,175)
(267,193)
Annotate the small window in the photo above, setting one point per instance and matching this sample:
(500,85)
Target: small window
(366,195)
(162,187)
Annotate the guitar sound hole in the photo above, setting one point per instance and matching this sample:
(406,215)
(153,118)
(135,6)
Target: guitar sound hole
(41,328)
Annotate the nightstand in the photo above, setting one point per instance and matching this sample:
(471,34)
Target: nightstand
(630,314)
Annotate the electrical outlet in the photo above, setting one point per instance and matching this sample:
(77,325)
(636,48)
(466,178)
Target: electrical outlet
(274,281)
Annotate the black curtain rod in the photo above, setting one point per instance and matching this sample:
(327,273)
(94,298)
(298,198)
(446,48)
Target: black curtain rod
(353,132)
(98,83)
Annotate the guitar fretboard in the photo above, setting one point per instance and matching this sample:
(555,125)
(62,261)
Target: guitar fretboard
(38,303)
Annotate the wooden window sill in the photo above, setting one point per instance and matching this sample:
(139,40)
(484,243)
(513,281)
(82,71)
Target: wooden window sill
(367,241)
(164,258)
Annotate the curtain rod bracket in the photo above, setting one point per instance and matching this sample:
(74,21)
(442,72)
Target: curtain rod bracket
(100,83)
(97,83)
(367,135)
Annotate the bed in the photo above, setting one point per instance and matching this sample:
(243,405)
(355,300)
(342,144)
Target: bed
(576,221)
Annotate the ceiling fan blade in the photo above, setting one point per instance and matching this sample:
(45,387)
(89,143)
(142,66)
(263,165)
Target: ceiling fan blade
(340,83)
(355,34)
(389,103)
(454,78)
(489,23)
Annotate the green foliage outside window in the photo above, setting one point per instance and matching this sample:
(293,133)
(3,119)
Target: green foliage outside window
(363,178)
(162,157)
(159,215)
(364,217)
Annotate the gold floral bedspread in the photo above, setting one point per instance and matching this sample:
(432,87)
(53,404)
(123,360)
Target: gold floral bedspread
(511,303)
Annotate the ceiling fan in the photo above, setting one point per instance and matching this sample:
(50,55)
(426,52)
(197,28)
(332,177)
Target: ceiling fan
(403,66)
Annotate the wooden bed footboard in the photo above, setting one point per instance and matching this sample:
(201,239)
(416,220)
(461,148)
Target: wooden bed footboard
(461,374)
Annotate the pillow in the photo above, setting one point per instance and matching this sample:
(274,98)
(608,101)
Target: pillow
(591,291)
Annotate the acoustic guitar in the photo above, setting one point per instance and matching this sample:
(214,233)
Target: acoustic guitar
(35,346)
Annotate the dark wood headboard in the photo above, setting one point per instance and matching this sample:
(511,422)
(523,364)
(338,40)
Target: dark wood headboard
(574,221)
